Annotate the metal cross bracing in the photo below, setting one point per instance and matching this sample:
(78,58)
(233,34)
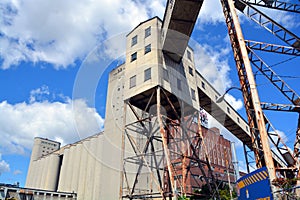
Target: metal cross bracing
(162,149)
(289,93)
(241,59)
(274,48)
(268,23)
(171,131)
(261,148)
(276,80)
(274,4)
(280,107)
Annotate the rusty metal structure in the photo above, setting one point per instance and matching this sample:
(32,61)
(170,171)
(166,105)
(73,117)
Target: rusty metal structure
(166,128)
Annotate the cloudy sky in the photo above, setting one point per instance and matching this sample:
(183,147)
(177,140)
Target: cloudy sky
(44,79)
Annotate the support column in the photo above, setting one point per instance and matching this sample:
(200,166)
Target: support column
(248,87)
(164,141)
(296,155)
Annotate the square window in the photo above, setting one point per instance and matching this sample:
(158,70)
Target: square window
(179,84)
(134,40)
(191,71)
(133,56)
(165,74)
(147,48)
(189,55)
(148,31)
(193,94)
(203,85)
(228,110)
(147,74)
(132,81)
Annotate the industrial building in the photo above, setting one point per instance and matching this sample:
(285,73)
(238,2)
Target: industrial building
(92,167)
(153,145)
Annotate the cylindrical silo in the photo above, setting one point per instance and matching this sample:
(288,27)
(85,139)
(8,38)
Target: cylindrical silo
(52,172)
(89,180)
(38,173)
(82,172)
(70,167)
(64,170)
(76,164)
(45,163)
(97,171)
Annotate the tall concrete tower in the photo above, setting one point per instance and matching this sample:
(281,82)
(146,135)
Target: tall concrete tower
(43,147)
(161,123)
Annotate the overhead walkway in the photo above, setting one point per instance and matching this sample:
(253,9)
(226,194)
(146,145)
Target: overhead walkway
(179,21)
(225,114)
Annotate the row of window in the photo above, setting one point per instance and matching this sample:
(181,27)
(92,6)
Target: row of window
(179,85)
(134,40)
(147,76)
(48,143)
(134,55)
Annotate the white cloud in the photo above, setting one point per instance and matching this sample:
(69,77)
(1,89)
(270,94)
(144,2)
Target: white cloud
(4,166)
(213,65)
(237,104)
(17,172)
(211,12)
(67,121)
(282,17)
(38,94)
(61,32)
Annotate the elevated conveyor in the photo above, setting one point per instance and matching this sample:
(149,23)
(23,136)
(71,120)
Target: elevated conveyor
(225,114)
(178,24)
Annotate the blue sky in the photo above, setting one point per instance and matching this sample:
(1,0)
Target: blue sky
(46,50)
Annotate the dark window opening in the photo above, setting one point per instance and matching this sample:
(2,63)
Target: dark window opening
(133,56)
(134,41)
(147,74)
(179,84)
(132,82)
(148,31)
(203,85)
(147,48)
(189,55)
(193,94)
(191,71)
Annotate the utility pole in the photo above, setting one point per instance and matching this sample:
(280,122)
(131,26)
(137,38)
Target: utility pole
(227,168)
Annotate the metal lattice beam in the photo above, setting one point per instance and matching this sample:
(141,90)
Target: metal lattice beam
(261,146)
(274,48)
(273,4)
(268,23)
(286,90)
(278,142)
(280,107)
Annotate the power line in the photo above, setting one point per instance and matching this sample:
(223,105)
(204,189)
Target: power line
(284,61)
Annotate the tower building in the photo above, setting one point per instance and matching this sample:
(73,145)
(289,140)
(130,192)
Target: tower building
(152,123)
